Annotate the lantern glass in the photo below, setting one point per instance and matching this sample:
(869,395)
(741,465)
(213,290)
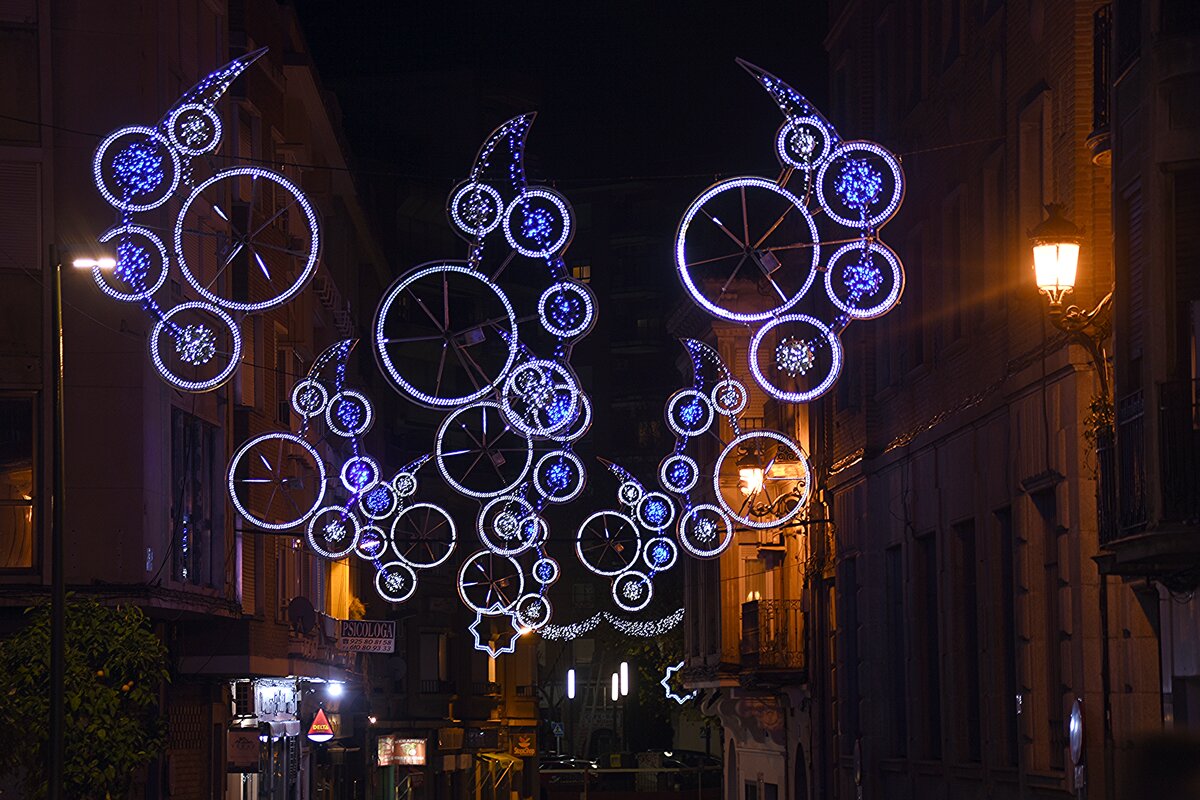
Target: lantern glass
(1054,265)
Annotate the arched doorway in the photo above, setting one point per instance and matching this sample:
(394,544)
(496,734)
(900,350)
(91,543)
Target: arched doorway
(731,773)
(800,774)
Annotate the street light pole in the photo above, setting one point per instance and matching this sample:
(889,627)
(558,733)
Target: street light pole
(58,594)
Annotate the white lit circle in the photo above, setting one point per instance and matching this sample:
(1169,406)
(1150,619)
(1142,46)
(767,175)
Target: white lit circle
(632,590)
(423,535)
(864,279)
(705,531)
(533,611)
(730,397)
(678,473)
(248,244)
(371,543)
(629,492)
(195,344)
(607,543)
(508,526)
(349,413)
(545,571)
(862,151)
(309,397)
(655,511)
(127,248)
(538,209)
(808,361)
(660,554)
(359,474)
(475,208)
(684,266)
(786,474)
(405,484)
(559,476)
(395,582)
(483,448)
(194,129)
(803,143)
(689,412)
(279,464)
(332,532)
(146,137)
(490,583)
(540,397)
(567,309)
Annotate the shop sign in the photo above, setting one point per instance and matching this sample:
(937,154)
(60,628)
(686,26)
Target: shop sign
(275,699)
(366,635)
(524,744)
(241,750)
(398,750)
(320,730)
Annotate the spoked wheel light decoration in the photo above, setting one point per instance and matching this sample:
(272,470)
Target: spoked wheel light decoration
(749,249)
(245,238)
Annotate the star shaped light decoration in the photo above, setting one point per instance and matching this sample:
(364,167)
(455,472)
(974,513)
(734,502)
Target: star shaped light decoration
(670,692)
(491,649)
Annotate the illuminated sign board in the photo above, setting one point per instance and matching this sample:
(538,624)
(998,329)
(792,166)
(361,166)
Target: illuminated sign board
(320,730)
(397,750)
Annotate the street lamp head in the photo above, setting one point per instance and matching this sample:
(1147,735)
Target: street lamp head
(89,263)
(1056,243)
(750,473)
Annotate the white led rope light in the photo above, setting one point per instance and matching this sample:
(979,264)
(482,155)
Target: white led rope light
(549,462)
(234,464)
(440,454)
(652,554)
(567,287)
(473,573)
(338,425)
(827,337)
(655,511)
(522,202)
(98,168)
(174,331)
(675,406)
(508,525)
(848,150)
(730,453)
(627,530)
(705,531)
(672,466)
(395,582)
(334,526)
(865,249)
(100,275)
(209,116)
(475,190)
(794,127)
(303,394)
(632,590)
(404,549)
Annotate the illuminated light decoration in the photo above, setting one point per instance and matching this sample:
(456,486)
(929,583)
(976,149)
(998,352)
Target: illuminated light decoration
(445,342)
(608,542)
(579,425)
(395,582)
(671,694)
(545,571)
(803,143)
(567,309)
(559,476)
(486,448)
(475,208)
(489,583)
(678,473)
(288,469)
(194,129)
(187,344)
(639,628)
(248,242)
(537,223)
(795,357)
(763,257)
(855,270)
(423,535)
(705,531)
(729,397)
(309,398)
(498,649)
(689,412)
(632,590)
(405,484)
(135,261)
(540,397)
(371,543)
(359,474)
(349,414)
(655,511)
(816,338)
(786,477)
(508,526)
(379,502)
(660,554)
(629,492)
(332,532)
(859,185)
(533,611)
(138,165)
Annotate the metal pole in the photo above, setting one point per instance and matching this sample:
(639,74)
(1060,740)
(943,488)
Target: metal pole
(58,596)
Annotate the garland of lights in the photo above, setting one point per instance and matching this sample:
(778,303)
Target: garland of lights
(195,345)
(764,231)
(640,628)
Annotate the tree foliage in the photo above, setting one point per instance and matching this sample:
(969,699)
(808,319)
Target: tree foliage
(115,666)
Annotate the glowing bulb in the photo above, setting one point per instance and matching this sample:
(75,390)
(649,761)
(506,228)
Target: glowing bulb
(616,687)
(571,684)
(334,689)
(624,678)
(750,480)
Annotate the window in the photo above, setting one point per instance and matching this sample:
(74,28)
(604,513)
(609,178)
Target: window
(754,579)
(17,482)
(966,595)
(19,91)
(196,468)
(897,675)
(848,595)
(1006,635)
(928,645)
(582,272)
(583,596)
(1053,633)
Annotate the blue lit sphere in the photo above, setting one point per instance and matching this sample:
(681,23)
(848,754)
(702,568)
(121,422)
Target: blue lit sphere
(133,263)
(378,499)
(139,168)
(656,511)
(691,413)
(538,225)
(559,476)
(660,554)
(858,183)
(349,414)
(862,279)
(359,474)
(544,571)
(681,473)
(566,310)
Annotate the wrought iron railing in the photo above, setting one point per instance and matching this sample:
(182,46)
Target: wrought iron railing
(1101,73)
(1131,464)
(436,687)
(773,635)
(1179,450)
(1106,484)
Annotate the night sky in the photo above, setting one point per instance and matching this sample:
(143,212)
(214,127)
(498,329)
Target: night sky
(623,89)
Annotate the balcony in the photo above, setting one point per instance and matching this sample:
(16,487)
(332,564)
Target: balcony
(1179,450)
(428,686)
(772,646)
(485,689)
(1099,141)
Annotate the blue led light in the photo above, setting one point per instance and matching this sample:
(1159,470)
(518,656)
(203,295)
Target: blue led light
(379,498)
(544,571)
(660,554)
(858,184)
(349,414)
(559,476)
(359,474)
(656,511)
(681,473)
(862,278)
(133,263)
(691,413)
(538,225)
(139,168)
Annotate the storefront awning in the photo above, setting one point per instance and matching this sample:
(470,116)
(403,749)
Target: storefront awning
(501,764)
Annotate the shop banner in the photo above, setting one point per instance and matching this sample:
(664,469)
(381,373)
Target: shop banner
(241,750)
(366,635)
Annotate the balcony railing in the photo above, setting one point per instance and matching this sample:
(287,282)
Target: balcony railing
(773,635)
(1099,140)
(1106,486)
(1179,450)
(436,687)
(485,688)
(1131,464)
